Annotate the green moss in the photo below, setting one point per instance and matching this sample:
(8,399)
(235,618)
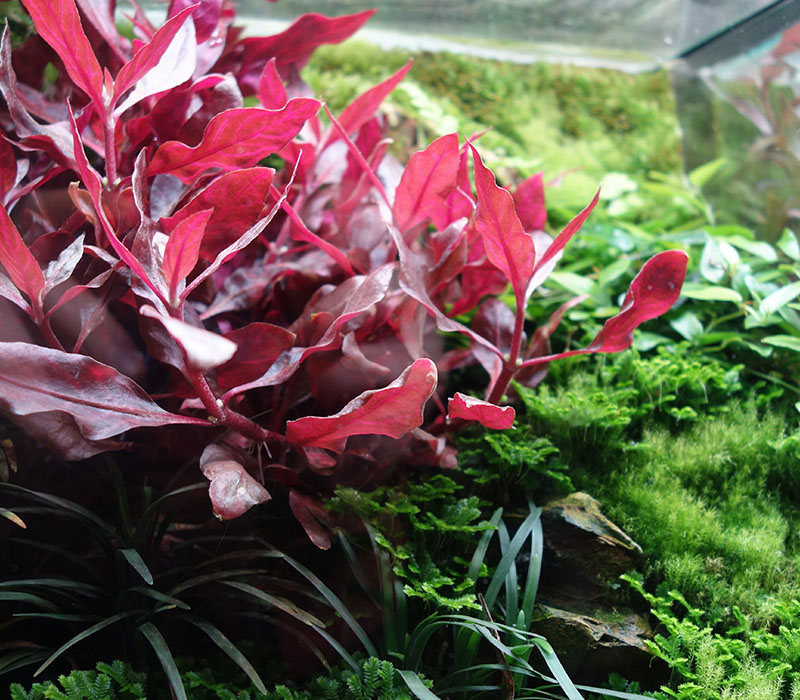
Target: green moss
(541,117)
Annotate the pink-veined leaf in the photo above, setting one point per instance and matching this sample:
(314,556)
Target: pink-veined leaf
(393,411)
(258,346)
(236,138)
(84,401)
(652,292)
(203,349)
(271,90)
(92,182)
(237,198)
(18,260)
(362,109)
(412,282)
(529,203)
(183,249)
(60,269)
(100,14)
(545,262)
(232,490)
(487,414)
(295,44)
(508,247)
(206,15)
(165,62)
(427,182)
(58,23)
(241,242)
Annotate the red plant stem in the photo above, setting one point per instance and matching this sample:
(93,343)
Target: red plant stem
(111,153)
(511,365)
(47,331)
(224,416)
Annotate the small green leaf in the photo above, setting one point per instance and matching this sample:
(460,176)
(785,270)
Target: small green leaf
(779,298)
(790,342)
(788,245)
(688,325)
(760,249)
(701,175)
(416,686)
(704,292)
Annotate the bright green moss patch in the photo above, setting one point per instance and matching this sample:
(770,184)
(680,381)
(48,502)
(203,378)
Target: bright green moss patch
(542,117)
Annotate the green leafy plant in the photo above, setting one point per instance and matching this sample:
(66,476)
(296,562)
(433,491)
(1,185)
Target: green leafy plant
(114,681)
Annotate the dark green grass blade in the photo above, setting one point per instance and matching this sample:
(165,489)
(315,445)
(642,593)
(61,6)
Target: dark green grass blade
(230,649)
(88,632)
(165,658)
(416,686)
(135,560)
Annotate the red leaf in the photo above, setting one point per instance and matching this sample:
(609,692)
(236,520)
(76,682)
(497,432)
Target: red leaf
(18,260)
(529,203)
(427,182)
(393,411)
(232,490)
(202,349)
(258,345)
(206,15)
(361,110)
(165,62)
(237,199)
(271,91)
(487,414)
(100,14)
(183,249)
(8,168)
(653,292)
(508,247)
(58,23)
(90,401)
(237,138)
(310,513)
(295,44)
(544,265)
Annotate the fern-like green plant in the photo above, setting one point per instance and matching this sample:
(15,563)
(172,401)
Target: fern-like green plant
(114,681)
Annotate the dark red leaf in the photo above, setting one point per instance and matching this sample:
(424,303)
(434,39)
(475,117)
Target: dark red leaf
(237,198)
(8,168)
(18,261)
(427,182)
(235,139)
(362,109)
(166,61)
(232,490)
(508,247)
(529,203)
(487,414)
(58,23)
(88,397)
(393,411)
(271,91)
(258,345)
(311,514)
(206,15)
(183,249)
(294,45)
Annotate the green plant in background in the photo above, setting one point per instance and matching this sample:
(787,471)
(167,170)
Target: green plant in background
(373,679)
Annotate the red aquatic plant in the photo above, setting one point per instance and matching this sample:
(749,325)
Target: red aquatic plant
(159,274)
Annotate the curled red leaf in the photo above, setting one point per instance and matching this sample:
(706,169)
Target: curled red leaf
(232,490)
(393,411)
(487,414)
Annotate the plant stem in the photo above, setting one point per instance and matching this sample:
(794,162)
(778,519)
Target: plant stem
(111,153)
(225,416)
(510,365)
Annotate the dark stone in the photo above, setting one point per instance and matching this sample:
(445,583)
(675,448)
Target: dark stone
(581,610)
